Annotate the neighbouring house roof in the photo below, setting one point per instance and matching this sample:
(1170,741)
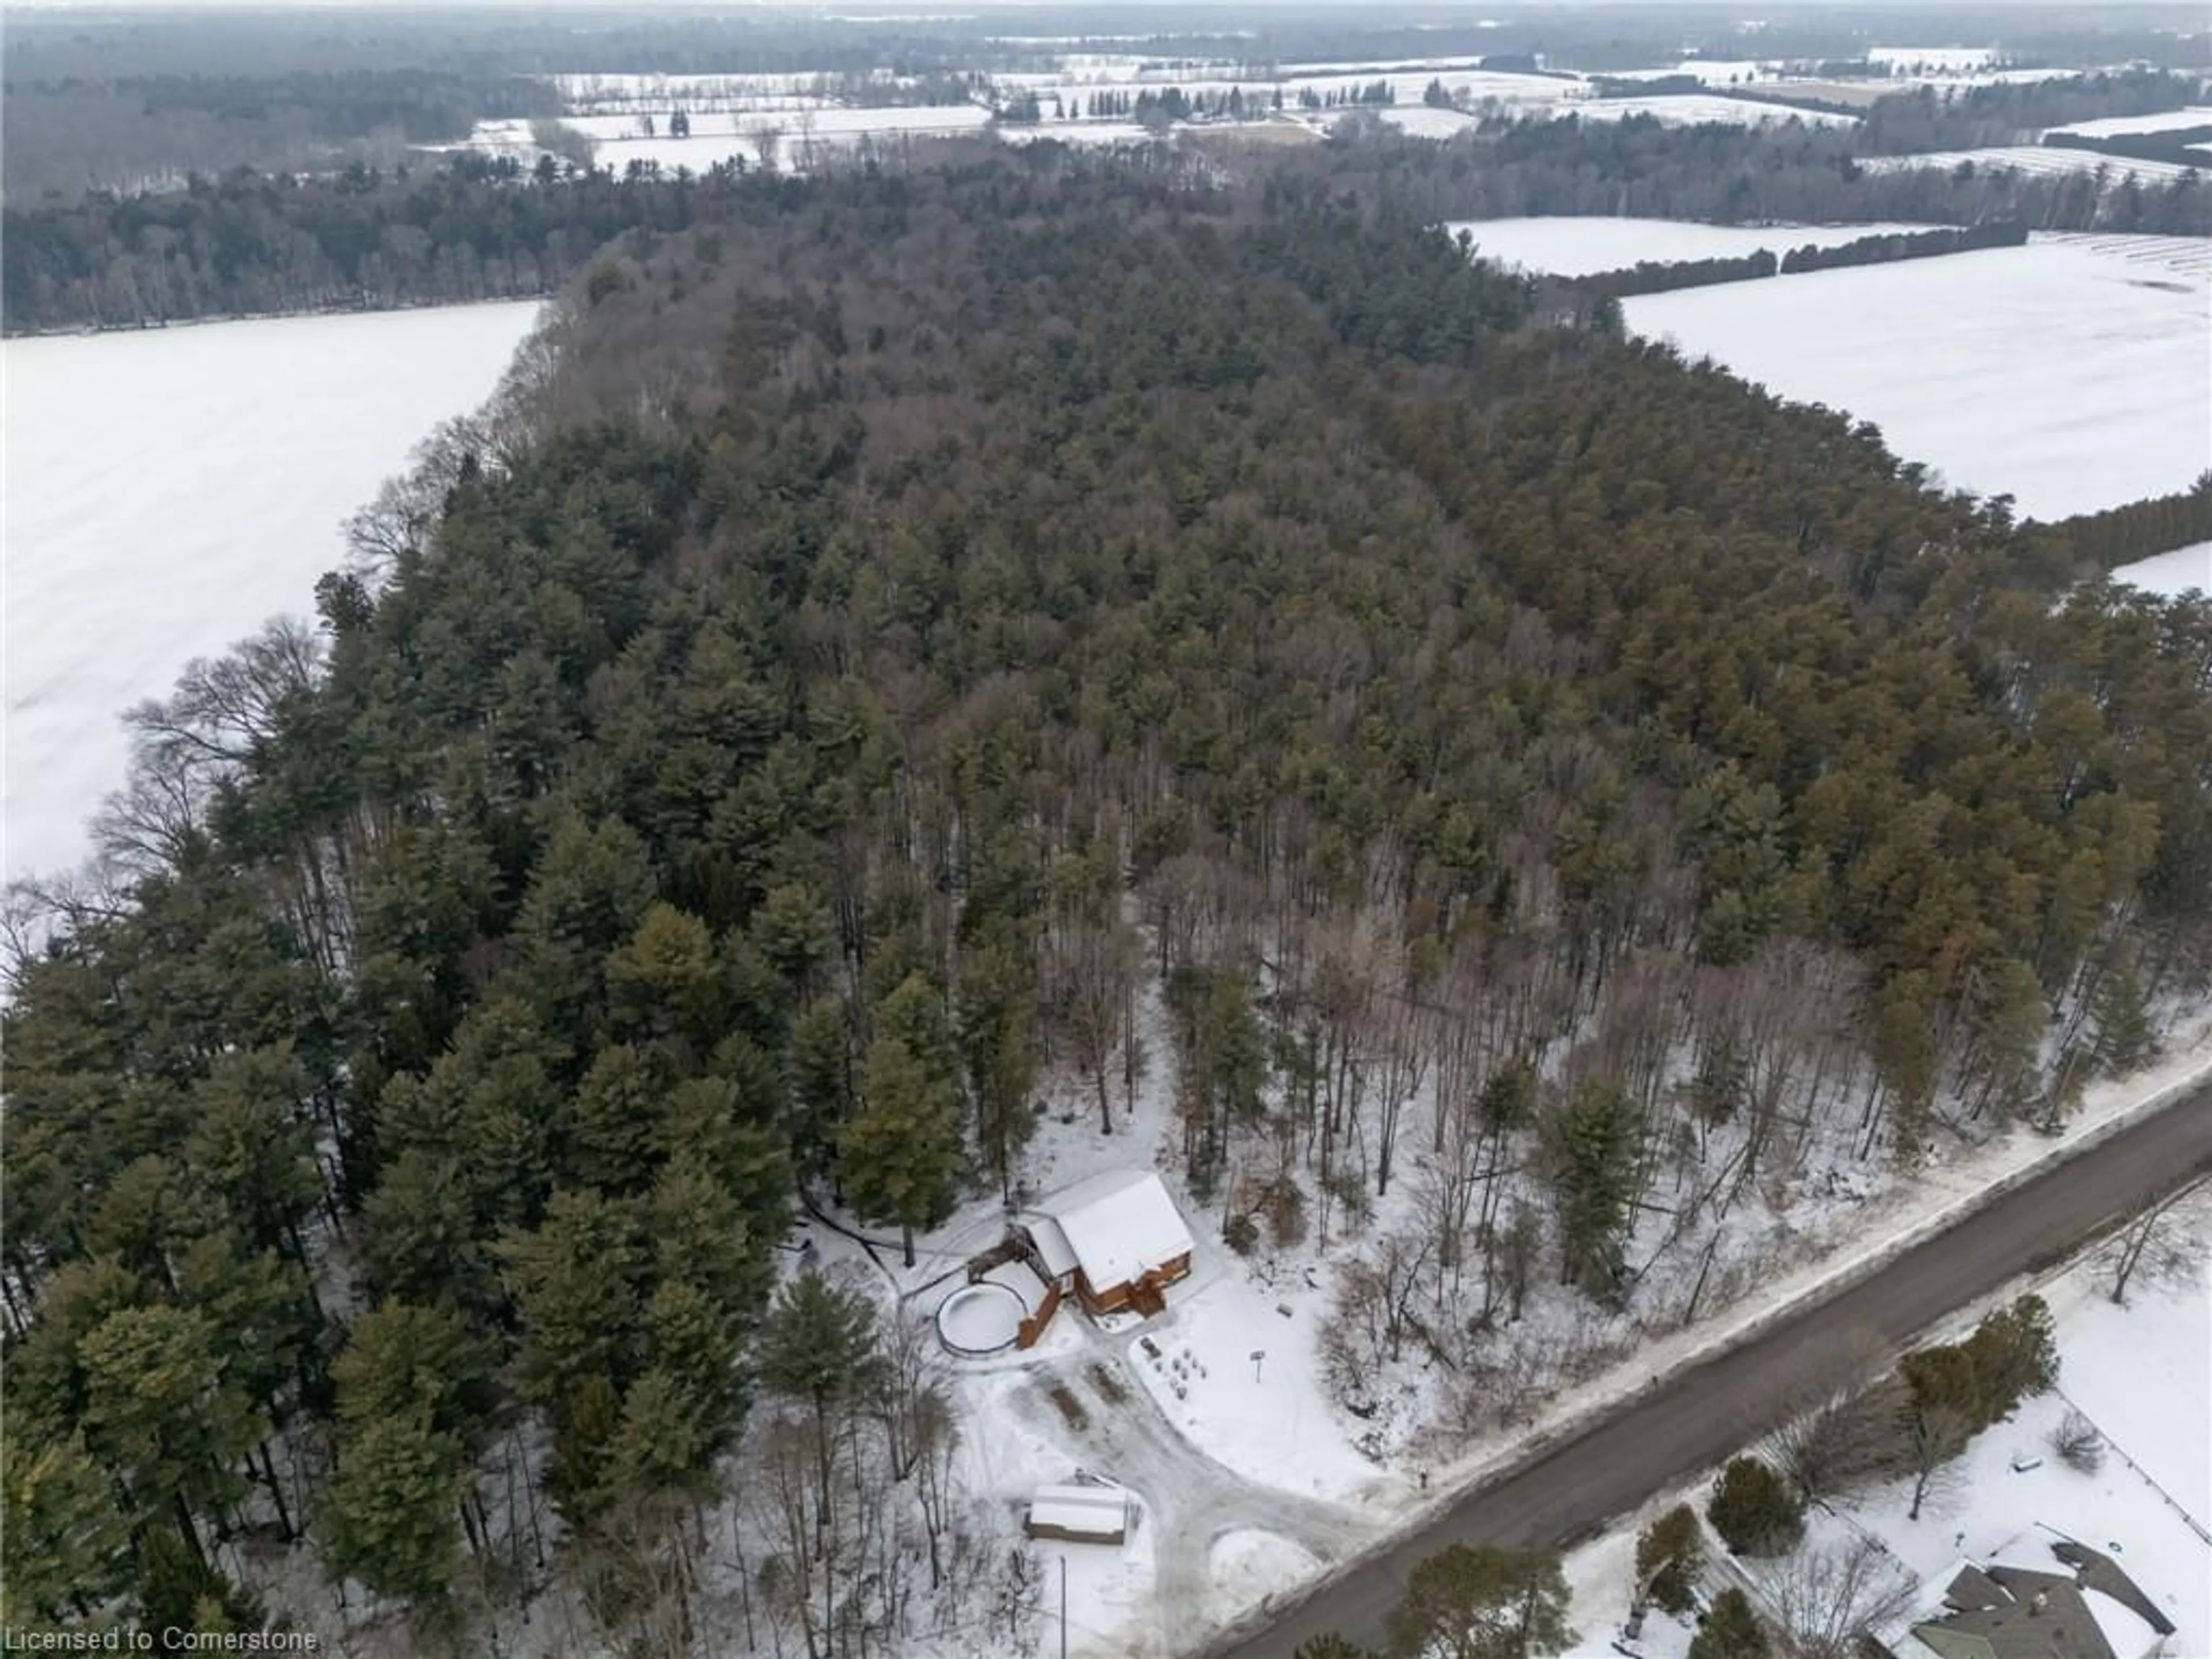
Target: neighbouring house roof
(1101,1512)
(1118,1226)
(2003,1611)
(2099,1571)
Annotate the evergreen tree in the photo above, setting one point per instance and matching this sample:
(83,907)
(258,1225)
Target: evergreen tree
(1669,1555)
(388,1515)
(68,1550)
(1595,1147)
(898,1158)
(1730,1630)
(1754,1510)
(1478,1601)
(817,1347)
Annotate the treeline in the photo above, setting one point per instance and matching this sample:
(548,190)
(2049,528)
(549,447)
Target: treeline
(913,622)
(249,244)
(2011,113)
(1725,174)
(2139,530)
(2178,146)
(1884,248)
(1665,276)
(67,137)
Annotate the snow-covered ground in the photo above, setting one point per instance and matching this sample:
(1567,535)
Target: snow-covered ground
(1700,109)
(2181,571)
(1581,246)
(1424,122)
(1252,1476)
(2116,126)
(2035,159)
(801,127)
(2069,374)
(169,490)
(1933,60)
(2142,1373)
(1707,71)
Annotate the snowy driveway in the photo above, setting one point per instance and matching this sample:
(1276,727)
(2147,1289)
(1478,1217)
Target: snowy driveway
(1192,1501)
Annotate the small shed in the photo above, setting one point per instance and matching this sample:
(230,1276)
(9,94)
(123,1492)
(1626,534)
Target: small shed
(1079,1514)
(1116,1241)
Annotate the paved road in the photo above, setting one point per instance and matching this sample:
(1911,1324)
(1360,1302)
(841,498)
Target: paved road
(1705,1413)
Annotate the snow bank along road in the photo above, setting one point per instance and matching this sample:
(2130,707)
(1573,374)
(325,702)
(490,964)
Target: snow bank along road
(1702,1415)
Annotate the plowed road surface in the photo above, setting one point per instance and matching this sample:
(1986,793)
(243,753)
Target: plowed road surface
(1706,1414)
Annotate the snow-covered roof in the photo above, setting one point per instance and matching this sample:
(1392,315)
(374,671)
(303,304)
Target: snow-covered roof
(1051,1245)
(1021,1279)
(1080,1511)
(1118,1226)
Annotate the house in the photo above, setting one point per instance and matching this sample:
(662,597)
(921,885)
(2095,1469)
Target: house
(1116,1241)
(1079,1514)
(2003,1611)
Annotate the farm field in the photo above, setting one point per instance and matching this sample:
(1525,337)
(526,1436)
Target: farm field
(2119,126)
(170,491)
(2036,159)
(2171,574)
(1697,109)
(2069,373)
(1563,246)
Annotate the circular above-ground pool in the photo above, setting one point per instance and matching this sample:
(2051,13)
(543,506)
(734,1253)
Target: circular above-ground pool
(979,1318)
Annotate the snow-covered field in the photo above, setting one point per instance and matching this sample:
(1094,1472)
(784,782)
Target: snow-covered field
(2171,573)
(2035,159)
(1933,60)
(1699,109)
(1582,246)
(2142,1373)
(801,128)
(1707,71)
(2069,374)
(2116,126)
(168,491)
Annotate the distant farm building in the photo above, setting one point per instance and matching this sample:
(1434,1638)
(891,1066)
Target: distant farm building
(1079,1514)
(1116,1241)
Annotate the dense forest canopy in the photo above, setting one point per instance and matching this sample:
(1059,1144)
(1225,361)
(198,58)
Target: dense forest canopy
(900,614)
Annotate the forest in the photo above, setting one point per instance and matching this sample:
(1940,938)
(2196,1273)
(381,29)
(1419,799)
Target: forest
(893,623)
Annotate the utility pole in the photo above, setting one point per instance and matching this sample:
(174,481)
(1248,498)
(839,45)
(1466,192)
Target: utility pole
(1063,1606)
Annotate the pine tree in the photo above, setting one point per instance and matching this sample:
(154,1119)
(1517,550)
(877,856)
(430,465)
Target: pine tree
(67,1547)
(1730,1630)
(1478,1601)
(899,1156)
(388,1515)
(1754,1510)
(575,1284)
(1594,1145)
(161,1412)
(1668,1554)
(817,1347)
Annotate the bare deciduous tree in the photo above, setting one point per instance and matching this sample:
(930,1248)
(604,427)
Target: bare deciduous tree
(2154,1249)
(1827,1596)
